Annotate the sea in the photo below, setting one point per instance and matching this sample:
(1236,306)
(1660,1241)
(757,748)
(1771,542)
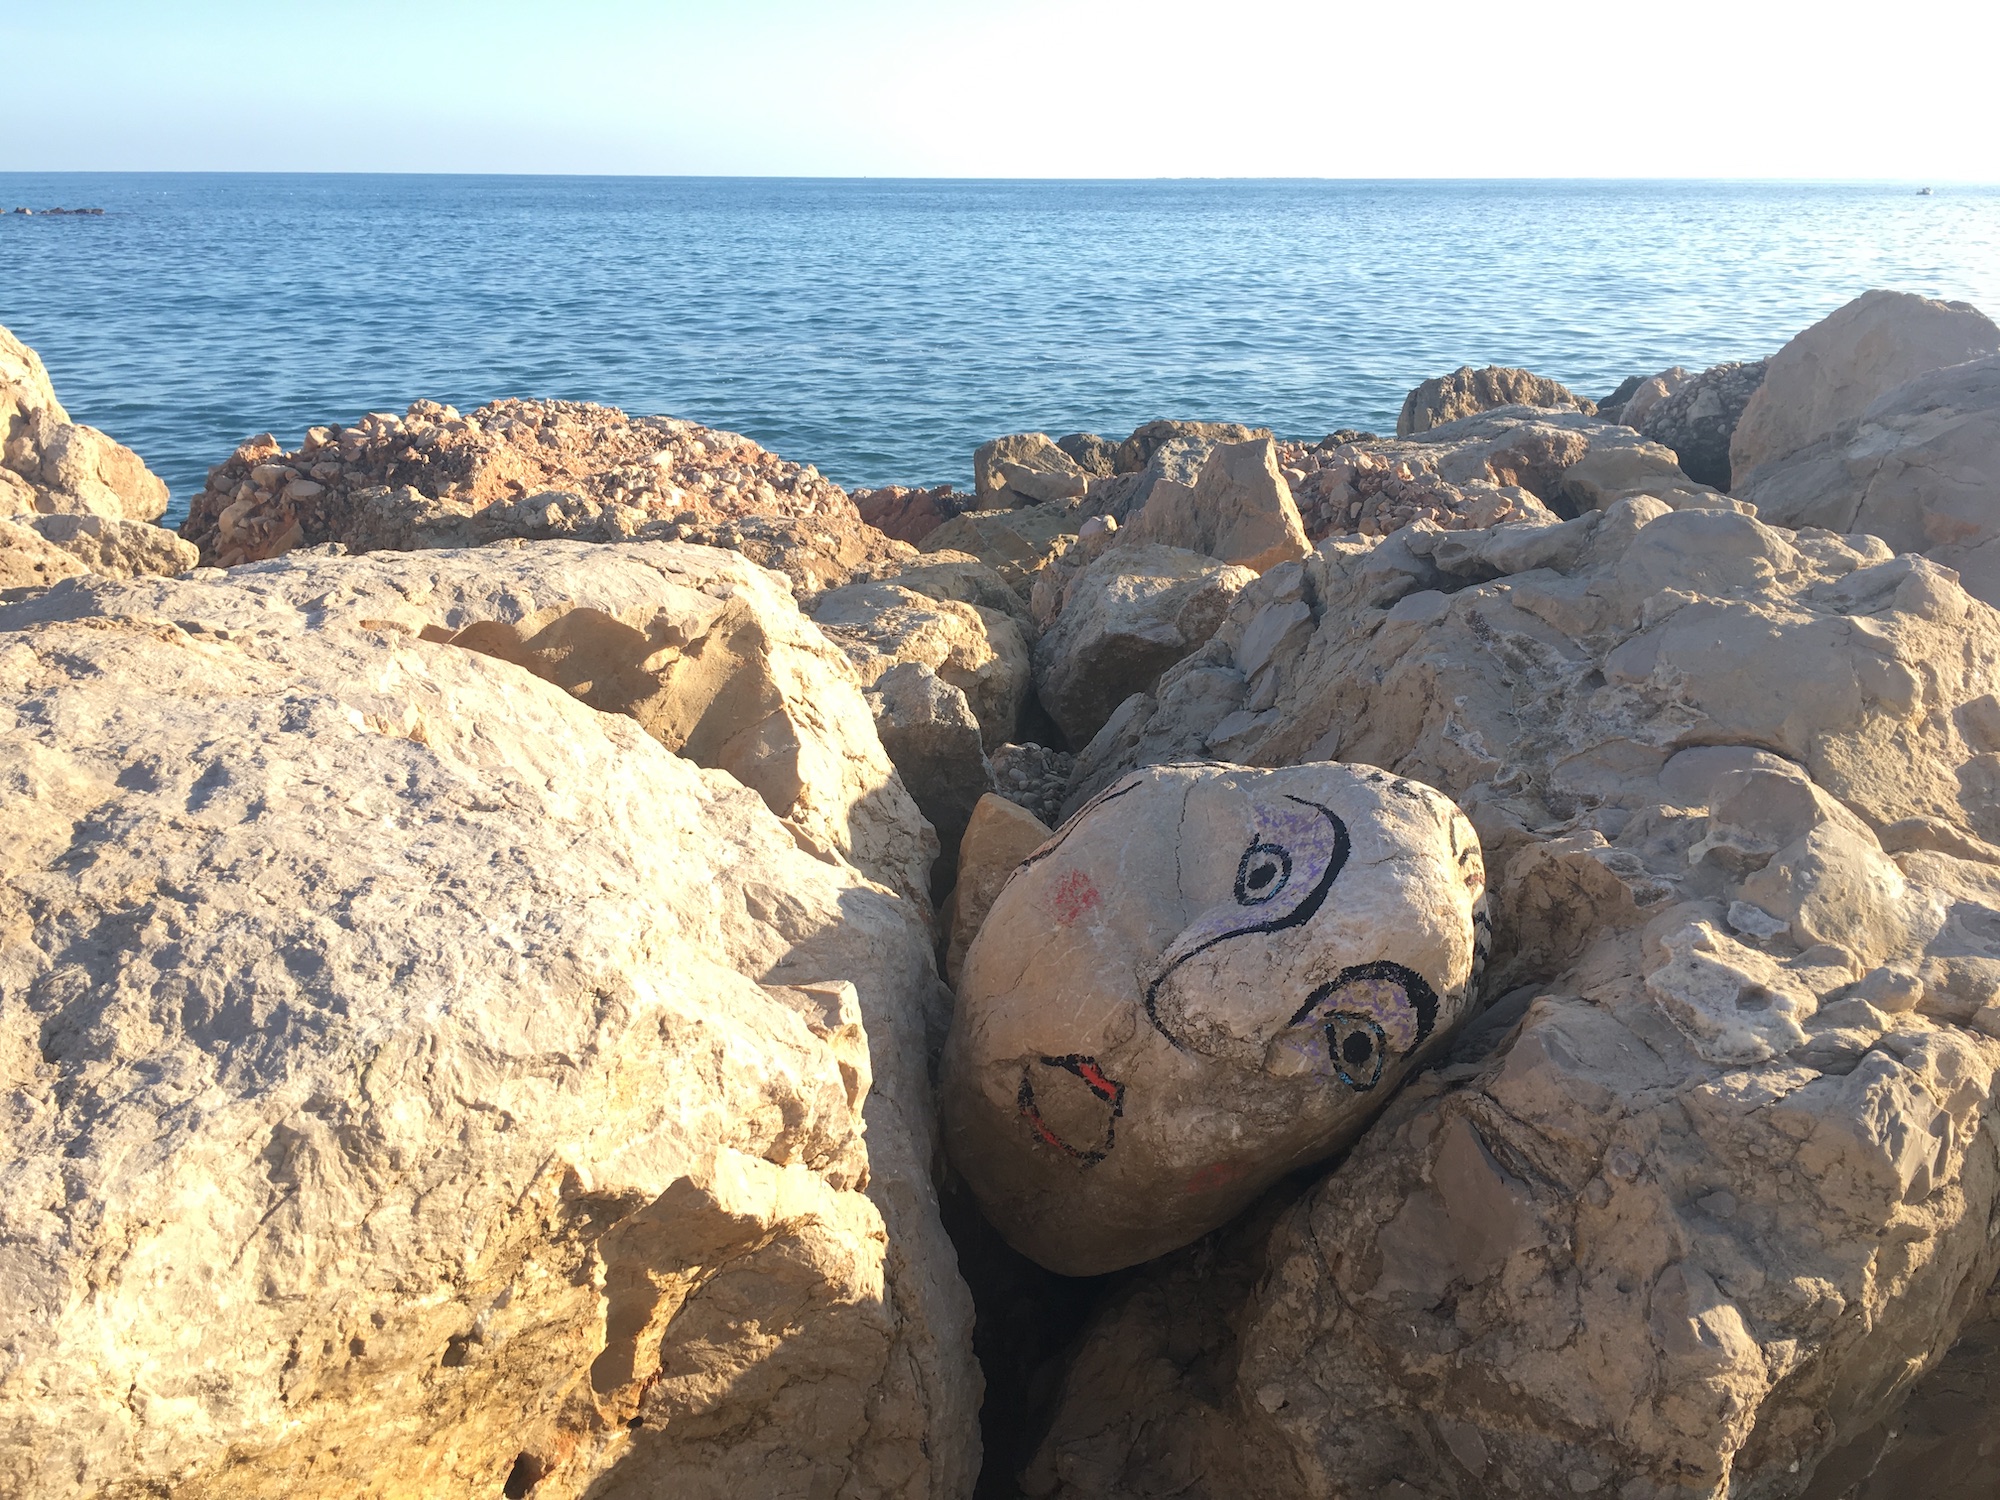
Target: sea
(883,329)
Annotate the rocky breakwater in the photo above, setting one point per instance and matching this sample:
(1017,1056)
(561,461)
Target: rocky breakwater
(1716,1186)
(71,499)
(535,469)
(427,1081)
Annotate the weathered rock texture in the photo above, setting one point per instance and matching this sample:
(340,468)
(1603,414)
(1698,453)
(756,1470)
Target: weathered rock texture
(1238,510)
(112,547)
(707,653)
(1024,468)
(1466,392)
(528,469)
(1137,451)
(1835,370)
(1649,393)
(976,649)
(1487,470)
(53,465)
(930,732)
(1724,1193)
(423,1083)
(1013,543)
(1696,420)
(1920,469)
(1122,621)
(1209,978)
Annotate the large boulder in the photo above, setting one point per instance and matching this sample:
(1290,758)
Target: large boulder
(425,1083)
(1124,619)
(55,466)
(1836,369)
(1920,469)
(977,650)
(1466,392)
(1211,977)
(1024,468)
(1716,1188)
(708,653)
(1696,419)
(1137,451)
(1238,510)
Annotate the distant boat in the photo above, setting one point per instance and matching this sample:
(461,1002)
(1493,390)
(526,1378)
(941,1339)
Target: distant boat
(1926,192)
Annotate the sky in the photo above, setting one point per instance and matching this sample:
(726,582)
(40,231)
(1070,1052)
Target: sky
(1009,88)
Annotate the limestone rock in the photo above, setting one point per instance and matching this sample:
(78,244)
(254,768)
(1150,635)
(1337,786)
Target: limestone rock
(1696,421)
(1920,469)
(114,548)
(1717,1187)
(1238,510)
(1025,468)
(1515,465)
(1466,392)
(57,466)
(24,384)
(930,731)
(1128,617)
(1013,543)
(1137,451)
(28,560)
(1836,369)
(706,652)
(999,835)
(424,1083)
(1209,978)
(1648,394)
(977,650)
(961,577)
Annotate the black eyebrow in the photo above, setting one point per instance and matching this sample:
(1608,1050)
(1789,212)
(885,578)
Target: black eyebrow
(1304,912)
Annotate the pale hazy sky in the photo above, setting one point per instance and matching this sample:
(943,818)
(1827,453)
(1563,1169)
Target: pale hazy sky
(1009,88)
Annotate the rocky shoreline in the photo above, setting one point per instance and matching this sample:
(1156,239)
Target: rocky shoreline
(558,953)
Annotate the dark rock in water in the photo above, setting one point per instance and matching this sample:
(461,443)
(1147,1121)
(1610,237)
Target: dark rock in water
(1137,450)
(1698,420)
(1094,455)
(1613,405)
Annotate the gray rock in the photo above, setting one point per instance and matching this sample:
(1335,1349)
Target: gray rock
(932,735)
(1920,469)
(1124,620)
(1697,421)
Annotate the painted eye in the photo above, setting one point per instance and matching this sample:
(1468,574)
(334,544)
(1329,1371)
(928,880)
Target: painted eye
(1262,873)
(1355,1025)
(1358,1048)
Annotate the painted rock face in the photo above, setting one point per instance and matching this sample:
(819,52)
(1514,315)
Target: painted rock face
(1211,975)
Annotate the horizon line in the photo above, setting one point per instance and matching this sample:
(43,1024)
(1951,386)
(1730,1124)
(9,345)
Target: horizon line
(897,177)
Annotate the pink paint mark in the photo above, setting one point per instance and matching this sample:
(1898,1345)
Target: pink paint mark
(1216,1175)
(1075,895)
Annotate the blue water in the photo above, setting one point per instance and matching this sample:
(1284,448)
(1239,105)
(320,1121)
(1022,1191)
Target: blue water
(881,329)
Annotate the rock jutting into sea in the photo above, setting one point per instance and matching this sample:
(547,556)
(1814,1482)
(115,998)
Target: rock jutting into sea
(563,954)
